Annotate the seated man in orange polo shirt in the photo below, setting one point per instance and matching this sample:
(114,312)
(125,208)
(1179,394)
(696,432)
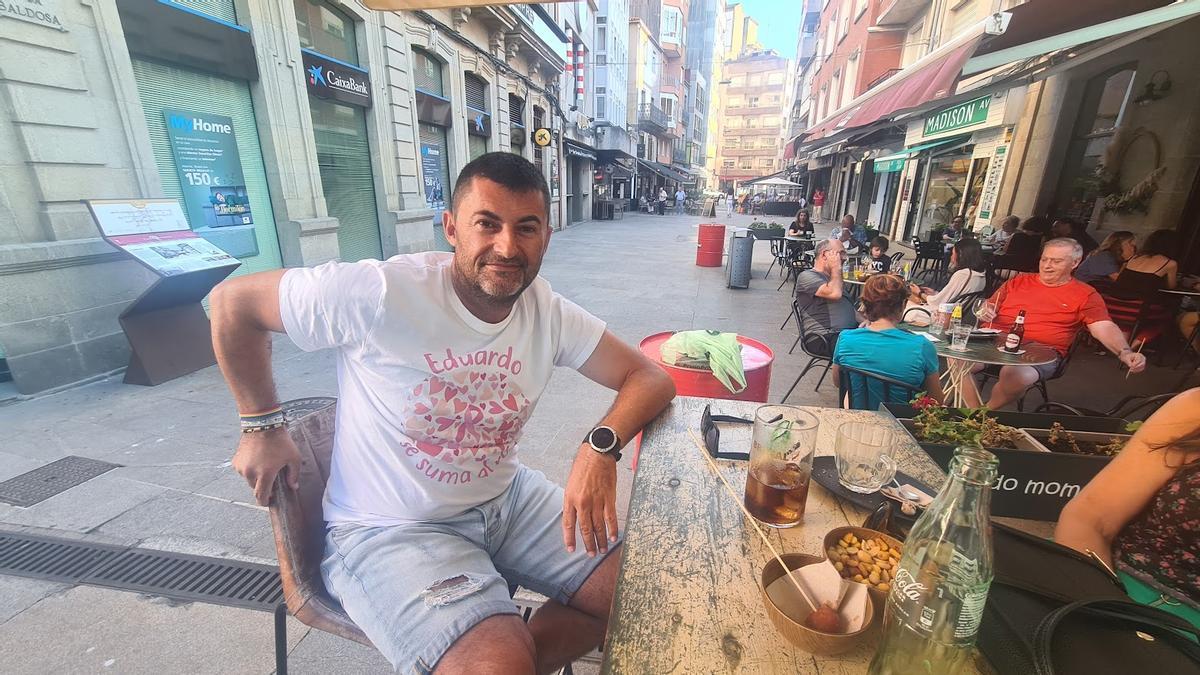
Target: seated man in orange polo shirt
(1056,306)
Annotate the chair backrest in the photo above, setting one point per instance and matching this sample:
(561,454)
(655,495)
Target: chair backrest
(299,523)
(866,397)
(812,344)
(896,258)
(1124,311)
(930,249)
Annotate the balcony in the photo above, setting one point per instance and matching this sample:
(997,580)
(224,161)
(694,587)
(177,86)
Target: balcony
(679,156)
(654,119)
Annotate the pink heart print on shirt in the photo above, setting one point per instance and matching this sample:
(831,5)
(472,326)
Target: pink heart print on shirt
(467,421)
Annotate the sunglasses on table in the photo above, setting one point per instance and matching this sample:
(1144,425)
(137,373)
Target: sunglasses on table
(712,435)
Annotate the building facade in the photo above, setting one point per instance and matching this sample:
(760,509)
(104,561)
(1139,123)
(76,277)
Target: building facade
(753,115)
(614,135)
(330,132)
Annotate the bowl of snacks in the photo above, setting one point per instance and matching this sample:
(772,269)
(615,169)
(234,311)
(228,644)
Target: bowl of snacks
(865,556)
(844,616)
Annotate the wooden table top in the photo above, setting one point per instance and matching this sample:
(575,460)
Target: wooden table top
(688,599)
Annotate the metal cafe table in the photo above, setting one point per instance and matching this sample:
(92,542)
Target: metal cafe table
(979,350)
(688,598)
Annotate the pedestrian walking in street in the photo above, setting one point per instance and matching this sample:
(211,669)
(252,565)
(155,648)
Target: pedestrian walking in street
(680,201)
(440,359)
(729,204)
(662,201)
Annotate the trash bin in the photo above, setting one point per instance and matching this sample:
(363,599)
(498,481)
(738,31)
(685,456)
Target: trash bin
(741,254)
(710,245)
(756,362)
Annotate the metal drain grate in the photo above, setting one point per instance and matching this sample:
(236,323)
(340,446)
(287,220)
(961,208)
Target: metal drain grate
(52,559)
(46,481)
(188,577)
(170,575)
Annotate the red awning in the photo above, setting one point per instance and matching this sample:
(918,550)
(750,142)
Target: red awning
(933,81)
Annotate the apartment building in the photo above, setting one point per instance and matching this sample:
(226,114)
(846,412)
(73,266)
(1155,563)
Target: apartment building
(755,96)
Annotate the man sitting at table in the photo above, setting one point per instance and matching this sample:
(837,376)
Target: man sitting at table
(823,308)
(999,238)
(1056,306)
(851,235)
(441,358)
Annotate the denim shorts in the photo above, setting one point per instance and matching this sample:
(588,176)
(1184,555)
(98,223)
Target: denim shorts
(414,589)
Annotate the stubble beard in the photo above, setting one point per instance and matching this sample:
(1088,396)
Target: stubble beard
(486,289)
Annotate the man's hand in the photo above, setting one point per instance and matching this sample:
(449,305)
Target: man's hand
(1134,361)
(260,456)
(985,313)
(591,501)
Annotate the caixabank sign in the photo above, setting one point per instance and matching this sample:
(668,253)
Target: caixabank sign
(333,79)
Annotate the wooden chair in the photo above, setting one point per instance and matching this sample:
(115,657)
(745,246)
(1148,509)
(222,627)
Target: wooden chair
(299,525)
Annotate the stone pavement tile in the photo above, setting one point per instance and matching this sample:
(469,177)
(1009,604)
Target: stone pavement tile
(191,478)
(18,594)
(86,506)
(215,523)
(212,448)
(15,465)
(98,630)
(49,441)
(320,653)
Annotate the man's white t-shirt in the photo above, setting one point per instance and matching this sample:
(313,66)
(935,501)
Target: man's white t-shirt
(432,400)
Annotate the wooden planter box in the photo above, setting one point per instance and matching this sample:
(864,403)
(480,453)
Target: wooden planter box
(1031,482)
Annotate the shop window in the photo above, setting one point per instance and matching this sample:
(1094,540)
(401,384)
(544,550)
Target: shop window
(539,121)
(326,29)
(427,72)
(945,187)
(1101,110)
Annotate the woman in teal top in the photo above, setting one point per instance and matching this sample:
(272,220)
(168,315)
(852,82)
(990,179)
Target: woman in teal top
(881,348)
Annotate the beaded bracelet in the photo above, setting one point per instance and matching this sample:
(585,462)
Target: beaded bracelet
(264,421)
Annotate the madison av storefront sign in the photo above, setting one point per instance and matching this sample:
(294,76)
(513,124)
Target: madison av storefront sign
(327,78)
(963,115)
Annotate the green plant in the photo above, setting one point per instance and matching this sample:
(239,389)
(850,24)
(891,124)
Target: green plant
(960,426)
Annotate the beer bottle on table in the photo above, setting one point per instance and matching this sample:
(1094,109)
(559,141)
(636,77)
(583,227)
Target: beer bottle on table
(940,585)
(1016,334)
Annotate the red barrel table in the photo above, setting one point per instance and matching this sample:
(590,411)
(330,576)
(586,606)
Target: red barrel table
(710,245)
(756,361)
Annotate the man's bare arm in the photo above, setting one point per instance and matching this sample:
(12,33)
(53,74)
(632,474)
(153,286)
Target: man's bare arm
(643,390)
(244,313)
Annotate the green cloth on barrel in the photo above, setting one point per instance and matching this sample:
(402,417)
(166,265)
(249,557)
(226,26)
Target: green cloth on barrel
(716,351)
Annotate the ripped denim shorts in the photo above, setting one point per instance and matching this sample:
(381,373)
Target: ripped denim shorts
(414,589)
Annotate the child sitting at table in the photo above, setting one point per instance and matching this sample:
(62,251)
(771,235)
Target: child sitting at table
(879,262)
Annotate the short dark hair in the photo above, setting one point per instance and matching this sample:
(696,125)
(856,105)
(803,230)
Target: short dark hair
(881,243)
(970,255)
(512,171)
(1160,242)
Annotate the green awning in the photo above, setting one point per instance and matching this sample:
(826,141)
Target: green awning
(895,162)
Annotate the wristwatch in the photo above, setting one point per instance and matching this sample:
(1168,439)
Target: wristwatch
(604,441)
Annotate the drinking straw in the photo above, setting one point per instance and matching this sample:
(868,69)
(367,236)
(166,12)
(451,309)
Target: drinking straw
(738,500)
(1139,351)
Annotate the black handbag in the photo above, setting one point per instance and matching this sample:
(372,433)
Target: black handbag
(1052,610)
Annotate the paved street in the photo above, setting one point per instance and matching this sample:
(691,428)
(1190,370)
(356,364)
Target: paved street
(177,492)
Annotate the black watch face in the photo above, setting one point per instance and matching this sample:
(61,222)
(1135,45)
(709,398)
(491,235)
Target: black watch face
(603,439)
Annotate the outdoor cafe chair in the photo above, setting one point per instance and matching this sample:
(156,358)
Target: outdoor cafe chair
(817,346)
(930,254)
(299,527)
(1130,408)
(896,258)
(993,372)
(894,391)
(780,255)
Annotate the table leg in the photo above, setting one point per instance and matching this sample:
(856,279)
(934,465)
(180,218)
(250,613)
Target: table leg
(956,371)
